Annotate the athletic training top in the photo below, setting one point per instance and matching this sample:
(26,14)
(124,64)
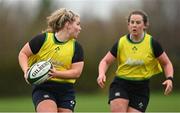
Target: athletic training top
(61,54)
(137,60)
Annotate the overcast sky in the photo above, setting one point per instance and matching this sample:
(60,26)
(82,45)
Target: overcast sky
(99,8)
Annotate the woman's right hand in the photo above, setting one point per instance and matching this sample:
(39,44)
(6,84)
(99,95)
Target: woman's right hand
(101,80)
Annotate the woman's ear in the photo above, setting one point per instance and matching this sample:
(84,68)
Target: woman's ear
(146,25)
(67,24)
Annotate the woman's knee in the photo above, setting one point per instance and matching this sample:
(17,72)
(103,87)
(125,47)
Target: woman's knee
(47,106)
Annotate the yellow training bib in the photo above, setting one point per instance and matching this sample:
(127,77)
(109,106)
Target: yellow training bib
(136,61)
(60,55)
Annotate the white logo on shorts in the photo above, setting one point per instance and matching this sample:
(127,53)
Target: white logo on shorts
(72,102)
(140,105)
(46,96)
(117,94)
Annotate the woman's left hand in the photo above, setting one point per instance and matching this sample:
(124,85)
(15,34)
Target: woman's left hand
(168,86)
(53,72)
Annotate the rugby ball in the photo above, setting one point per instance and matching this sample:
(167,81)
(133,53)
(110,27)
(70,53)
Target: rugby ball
(38,72)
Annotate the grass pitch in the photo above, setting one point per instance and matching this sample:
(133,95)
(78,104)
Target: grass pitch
(94,103)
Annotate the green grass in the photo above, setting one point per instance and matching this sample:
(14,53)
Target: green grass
(18,104)
(160,103)
(94,103)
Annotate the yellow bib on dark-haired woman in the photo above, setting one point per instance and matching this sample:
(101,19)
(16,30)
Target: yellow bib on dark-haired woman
(136,61)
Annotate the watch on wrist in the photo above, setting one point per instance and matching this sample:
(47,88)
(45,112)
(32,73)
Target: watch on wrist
(170,78)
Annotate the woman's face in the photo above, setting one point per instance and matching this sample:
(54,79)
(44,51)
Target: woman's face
(136,25)
(75,28)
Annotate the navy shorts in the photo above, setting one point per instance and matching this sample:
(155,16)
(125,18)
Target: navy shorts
(137,92)
(62,94)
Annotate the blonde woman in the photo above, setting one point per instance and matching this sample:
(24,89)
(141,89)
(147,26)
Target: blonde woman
(57,43)
(139,56)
